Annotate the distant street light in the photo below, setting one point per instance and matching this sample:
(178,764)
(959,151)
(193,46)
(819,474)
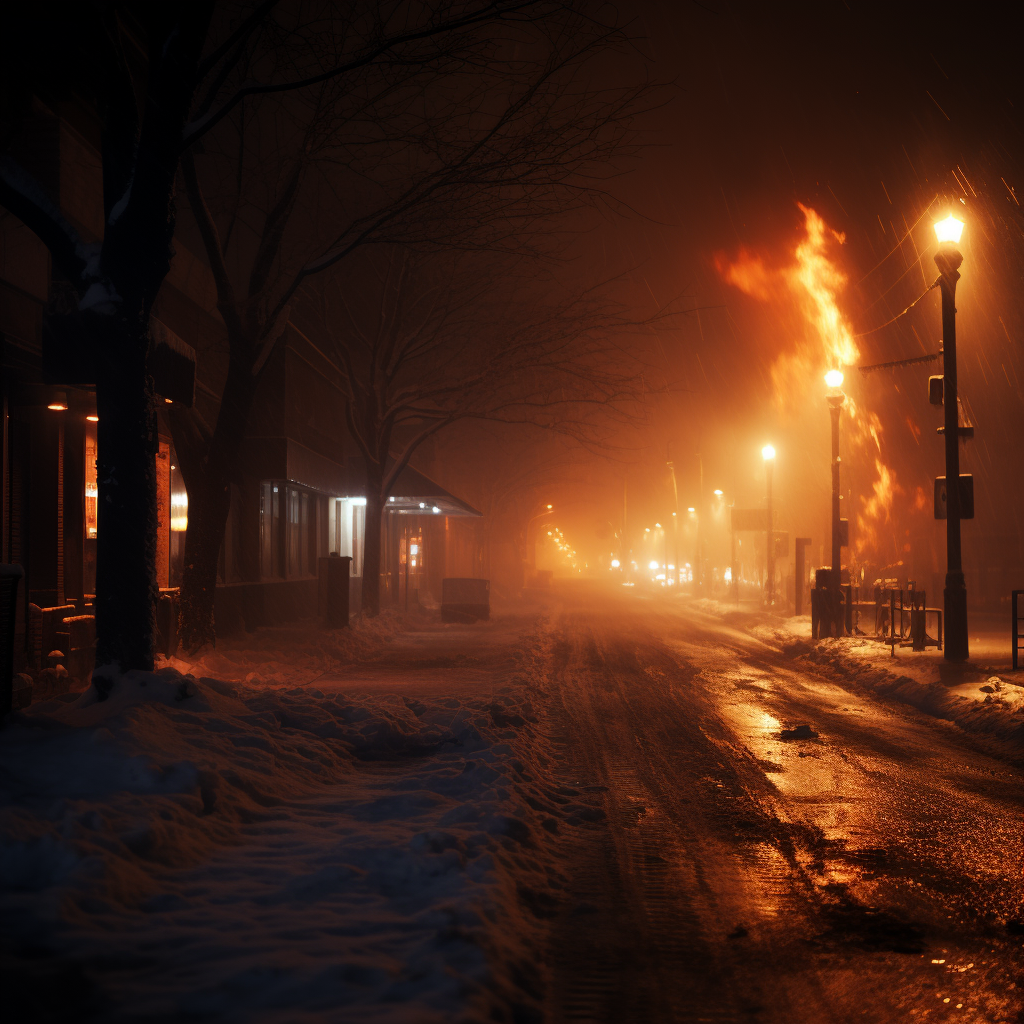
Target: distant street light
(530,551)
(948,260)
(768,454)
(836,398)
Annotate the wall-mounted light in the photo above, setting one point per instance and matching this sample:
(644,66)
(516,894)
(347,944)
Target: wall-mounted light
(59,402)
(179,511)
(96,419)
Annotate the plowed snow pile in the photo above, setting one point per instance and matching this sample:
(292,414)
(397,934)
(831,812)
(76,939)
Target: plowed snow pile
(188,849)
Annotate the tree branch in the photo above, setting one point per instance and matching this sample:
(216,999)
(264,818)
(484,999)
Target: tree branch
(496,9)
(211,242)
(26,199)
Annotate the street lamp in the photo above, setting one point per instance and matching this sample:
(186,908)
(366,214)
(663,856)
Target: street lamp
(531,551)
(836,398)
(768,454)
(948,260)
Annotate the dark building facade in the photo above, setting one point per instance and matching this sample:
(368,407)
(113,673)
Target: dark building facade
(298,492)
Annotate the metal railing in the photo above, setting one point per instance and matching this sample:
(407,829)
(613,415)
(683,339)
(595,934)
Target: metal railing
(897,617)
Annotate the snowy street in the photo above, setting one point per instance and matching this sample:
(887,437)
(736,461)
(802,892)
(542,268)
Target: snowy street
(778,847)
(616,809)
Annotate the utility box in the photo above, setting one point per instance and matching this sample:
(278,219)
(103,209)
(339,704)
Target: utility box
(844,533)
(935,389)
(465,600)
(966,496)
(332,591)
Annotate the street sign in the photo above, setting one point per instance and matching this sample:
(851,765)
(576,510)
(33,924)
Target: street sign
(935,389)
(752,519)
(966,496)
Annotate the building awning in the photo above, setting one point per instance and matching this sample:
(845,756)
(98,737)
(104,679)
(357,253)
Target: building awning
(283,458)
(414,493)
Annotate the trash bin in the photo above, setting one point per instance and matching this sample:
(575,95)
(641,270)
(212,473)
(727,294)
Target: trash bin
(465,600)
(332,590)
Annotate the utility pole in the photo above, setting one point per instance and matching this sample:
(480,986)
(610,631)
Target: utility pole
(675,515)
(768,454)
(836,398)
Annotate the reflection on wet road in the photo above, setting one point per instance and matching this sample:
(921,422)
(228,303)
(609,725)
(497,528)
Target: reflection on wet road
(778,847)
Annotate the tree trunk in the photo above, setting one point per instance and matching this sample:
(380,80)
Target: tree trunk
(208,483)
(208,508)
(371,542)
(126,590)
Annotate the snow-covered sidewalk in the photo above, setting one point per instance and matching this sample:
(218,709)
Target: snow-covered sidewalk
(195,848)
(983,696)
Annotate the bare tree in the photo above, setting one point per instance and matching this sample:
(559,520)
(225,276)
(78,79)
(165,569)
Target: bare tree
(465,134)
(438,339)
(151,110)
(85,48)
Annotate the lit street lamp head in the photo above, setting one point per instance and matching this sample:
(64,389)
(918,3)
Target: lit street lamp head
(768,453)
(834,378)
(949,230)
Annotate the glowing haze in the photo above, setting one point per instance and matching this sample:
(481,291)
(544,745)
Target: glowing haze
(814,337)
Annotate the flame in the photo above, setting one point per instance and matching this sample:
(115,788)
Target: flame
(748,273)
(876,510)
(817,337)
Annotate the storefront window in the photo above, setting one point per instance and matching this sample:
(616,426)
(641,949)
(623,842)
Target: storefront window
(289,542)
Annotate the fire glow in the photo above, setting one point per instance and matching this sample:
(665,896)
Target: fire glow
(806,293)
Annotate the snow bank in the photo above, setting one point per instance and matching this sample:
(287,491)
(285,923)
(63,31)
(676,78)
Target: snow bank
(294,654)
(998,713)
(980,703)
(190,848)
(980,698)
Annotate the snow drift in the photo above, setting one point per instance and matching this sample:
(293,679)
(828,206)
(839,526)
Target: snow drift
(189,849)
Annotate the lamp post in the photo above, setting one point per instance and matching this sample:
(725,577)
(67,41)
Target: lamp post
(948,260)
(836,398)
(532,551)
(692,512)
(719,495)
(768,454)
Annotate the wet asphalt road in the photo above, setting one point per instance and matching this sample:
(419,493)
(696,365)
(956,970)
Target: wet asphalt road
(870,872)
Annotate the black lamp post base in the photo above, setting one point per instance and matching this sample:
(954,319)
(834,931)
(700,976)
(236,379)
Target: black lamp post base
(954,600)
